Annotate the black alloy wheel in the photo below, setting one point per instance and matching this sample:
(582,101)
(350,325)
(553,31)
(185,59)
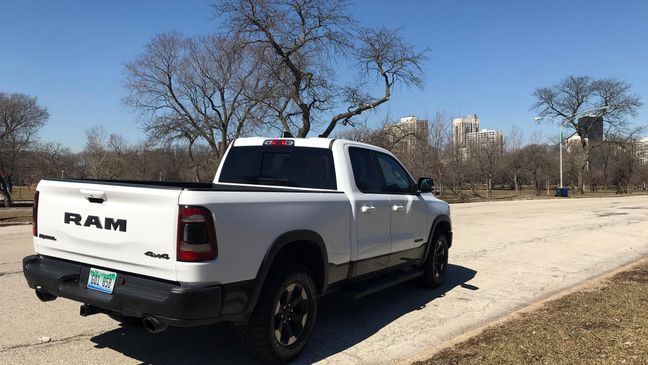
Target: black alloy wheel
(436,264)
(291,314)
(440,259)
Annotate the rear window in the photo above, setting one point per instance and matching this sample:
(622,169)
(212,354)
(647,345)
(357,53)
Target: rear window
(302,167)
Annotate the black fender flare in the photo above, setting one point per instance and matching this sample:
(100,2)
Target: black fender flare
(276,246)
(440,218)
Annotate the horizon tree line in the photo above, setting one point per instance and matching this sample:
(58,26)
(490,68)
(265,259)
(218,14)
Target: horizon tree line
(617,164)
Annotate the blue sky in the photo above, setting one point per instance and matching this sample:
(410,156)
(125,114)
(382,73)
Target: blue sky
(486,57)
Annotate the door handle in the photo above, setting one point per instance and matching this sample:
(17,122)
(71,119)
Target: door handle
(397,208)
(367,208)
(94,196)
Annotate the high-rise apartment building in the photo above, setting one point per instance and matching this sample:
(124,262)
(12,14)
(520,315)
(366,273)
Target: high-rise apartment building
(462,126)
(409,134)
(643,150)
(591,127)
(485,138)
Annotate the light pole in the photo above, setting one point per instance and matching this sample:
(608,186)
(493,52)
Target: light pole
(539,118)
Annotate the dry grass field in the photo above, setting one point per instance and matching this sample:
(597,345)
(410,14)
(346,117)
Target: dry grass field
(479,195)
(23,192)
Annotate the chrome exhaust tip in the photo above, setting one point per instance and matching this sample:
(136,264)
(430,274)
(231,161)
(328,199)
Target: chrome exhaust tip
(45,296)
(88,310)
(154,325)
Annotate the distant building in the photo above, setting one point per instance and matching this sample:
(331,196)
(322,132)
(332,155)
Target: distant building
(573,143)
(485,138)
(643,150)
(409,134)
(591,127)
(462,126)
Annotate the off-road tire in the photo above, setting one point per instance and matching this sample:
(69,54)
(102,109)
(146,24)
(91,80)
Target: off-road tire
(436,264)
(259,336)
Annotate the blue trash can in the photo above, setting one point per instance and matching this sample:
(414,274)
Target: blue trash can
(562,192)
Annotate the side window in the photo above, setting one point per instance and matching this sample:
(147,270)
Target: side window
(366,176)
(397,180)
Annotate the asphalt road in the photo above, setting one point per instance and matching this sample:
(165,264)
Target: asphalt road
(506,255)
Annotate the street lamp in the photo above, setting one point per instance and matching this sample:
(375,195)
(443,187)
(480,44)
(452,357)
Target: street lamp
(539,118)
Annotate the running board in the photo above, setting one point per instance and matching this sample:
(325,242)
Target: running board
(370,286)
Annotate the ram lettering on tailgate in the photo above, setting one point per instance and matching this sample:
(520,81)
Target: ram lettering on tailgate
(94,221)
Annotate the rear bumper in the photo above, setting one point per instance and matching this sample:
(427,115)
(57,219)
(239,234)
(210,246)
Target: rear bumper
(133,295)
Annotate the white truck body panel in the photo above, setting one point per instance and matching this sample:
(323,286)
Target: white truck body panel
(151,215)
(248,223)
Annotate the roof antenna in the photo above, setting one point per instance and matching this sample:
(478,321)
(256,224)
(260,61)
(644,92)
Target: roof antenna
(286,134)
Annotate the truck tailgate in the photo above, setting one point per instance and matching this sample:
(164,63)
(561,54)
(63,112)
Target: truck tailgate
(111,226)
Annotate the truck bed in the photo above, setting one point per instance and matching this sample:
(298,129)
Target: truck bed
(196,186)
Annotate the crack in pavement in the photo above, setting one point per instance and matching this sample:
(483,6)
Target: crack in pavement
(10,272)
(61,341)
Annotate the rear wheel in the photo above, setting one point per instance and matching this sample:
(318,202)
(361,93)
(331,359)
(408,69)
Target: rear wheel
(436,264)
(282,322)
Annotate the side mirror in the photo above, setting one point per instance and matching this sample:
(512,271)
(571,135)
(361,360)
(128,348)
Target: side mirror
(425,184)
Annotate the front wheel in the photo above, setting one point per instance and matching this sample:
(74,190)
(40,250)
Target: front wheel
(436,264)
(283,320)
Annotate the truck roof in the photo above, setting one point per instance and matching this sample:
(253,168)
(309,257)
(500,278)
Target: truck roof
(299,142)
(316,142)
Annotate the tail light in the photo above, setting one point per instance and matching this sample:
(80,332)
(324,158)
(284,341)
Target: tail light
(196,235)
(35,215)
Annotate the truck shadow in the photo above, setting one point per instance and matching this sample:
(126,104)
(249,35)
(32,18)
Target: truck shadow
(341,324)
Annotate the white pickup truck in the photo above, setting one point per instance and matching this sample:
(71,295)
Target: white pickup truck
(285,221)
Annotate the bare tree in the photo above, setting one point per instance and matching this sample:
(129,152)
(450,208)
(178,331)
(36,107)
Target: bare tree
(302,39)
(195,90)
(95,153)
(536,162)
(384,54)
(51,160)
(440,137)
(20,119)
(456,160)
(608,98)
(513,158)
(488,158)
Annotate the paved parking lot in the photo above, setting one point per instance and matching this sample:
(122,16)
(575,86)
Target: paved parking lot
(506,255)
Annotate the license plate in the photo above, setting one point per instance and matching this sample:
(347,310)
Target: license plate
(101,280)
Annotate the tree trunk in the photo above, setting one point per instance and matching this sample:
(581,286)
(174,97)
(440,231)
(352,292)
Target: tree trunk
(581,171)
(5,190)
(196,173)
(489,188)
(515,182)
(7,199)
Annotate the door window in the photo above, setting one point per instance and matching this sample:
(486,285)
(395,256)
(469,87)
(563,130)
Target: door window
(366,176)
(397,180)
